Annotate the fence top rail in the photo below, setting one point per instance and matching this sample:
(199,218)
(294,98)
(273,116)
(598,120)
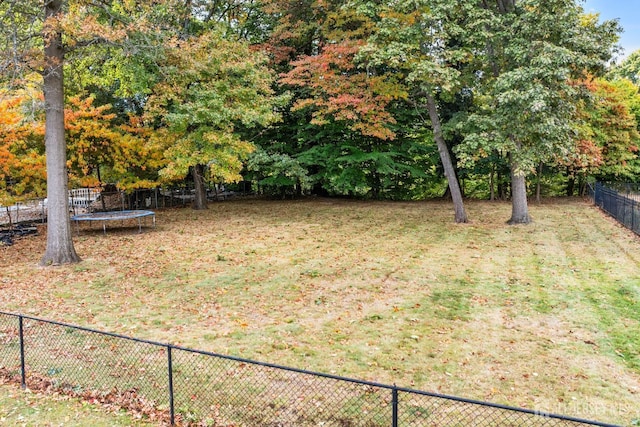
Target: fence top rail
(316,374)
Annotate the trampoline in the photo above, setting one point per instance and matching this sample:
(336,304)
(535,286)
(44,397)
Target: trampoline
(115,216)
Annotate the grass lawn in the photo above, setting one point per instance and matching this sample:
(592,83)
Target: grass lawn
(544,316)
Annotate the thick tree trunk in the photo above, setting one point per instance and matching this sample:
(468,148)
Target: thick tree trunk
(59,248)
(200,200)
(449,171)
(519,206)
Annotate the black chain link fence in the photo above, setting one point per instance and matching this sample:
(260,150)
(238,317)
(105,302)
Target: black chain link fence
(190,387)
(621,201)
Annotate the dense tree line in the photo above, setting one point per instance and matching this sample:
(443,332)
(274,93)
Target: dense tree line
(385,100)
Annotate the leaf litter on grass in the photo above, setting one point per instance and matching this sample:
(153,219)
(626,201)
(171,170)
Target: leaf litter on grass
(35,408)
(391,292)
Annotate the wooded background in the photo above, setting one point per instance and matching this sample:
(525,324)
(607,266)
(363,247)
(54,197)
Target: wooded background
(383,100)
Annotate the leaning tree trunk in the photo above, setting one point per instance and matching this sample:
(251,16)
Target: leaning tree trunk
(449,172)
(59,248)
(519,205)
(200,200)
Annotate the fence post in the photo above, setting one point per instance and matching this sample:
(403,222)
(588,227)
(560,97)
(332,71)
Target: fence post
(172,414)
(394,406)
(23,370)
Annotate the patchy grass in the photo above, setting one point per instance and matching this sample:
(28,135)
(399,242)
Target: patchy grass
(544,316)
(24,408)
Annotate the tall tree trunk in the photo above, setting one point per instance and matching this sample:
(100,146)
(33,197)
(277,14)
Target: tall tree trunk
(492,191)
(59,248)
(449,172)
(200,200)
(539,184)
(519,206)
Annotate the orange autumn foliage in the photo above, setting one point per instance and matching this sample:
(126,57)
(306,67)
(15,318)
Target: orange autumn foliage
(100,151)
(340,91)
(22,161)
(127,154)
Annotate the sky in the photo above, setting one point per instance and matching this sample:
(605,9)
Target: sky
(628,13)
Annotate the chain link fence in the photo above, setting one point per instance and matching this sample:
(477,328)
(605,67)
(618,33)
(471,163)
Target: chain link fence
(621,201)
(181,386)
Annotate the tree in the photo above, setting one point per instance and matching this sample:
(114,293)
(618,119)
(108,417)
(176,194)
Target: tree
(629,93)
(526,102)
(211,87)
(45,37)
(338,91)
(608,139)
(629,68)
(103,151)
(349,125)
(359,152)
(22,161)
(277,174)
(421,41)
(60,249)
(99,150)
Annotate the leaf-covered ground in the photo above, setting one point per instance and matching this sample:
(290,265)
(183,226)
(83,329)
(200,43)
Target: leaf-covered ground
(26,408)
(544,316)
